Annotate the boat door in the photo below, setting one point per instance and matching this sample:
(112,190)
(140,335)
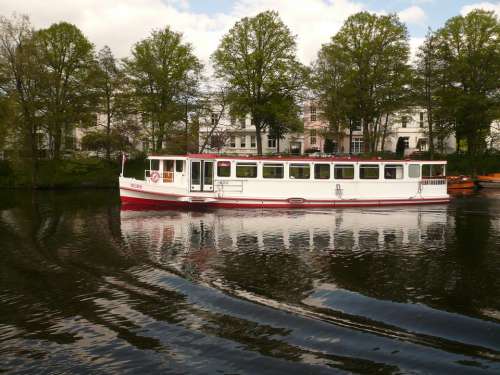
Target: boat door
(202,175)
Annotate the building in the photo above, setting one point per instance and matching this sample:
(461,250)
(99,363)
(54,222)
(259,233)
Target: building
(221,133)
(406,132)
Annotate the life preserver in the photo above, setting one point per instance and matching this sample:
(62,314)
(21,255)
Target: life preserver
(155,176)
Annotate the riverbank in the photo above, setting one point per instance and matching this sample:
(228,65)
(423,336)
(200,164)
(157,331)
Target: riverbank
(68,173)
(99,173)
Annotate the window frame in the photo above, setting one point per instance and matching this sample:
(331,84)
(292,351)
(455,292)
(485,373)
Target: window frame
(395,166)
(369,166)
(297,165)
(247,164)
(274,165)
(217,168)
(350,166)
(322,164)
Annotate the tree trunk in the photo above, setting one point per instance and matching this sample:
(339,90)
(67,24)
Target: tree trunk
(108,128)
(258,136)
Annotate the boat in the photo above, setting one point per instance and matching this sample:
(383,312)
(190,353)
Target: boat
(460,182)
(212,180)
(491,180)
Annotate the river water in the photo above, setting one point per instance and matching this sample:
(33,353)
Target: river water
(87,287)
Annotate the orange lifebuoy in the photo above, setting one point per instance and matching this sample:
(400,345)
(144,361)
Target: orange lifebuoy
(155,176)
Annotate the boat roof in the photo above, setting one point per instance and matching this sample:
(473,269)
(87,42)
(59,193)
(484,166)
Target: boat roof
(291,158)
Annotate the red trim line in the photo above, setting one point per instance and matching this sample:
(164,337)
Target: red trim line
(286,200)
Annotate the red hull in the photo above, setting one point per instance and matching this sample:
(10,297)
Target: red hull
(262,204)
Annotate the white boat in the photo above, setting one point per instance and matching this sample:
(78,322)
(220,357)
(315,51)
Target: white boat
(249,181)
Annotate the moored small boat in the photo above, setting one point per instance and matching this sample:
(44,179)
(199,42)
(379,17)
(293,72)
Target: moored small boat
(200,180)
(491,180)
(460,182)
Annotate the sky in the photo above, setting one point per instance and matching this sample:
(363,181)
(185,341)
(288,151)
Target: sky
(121,23)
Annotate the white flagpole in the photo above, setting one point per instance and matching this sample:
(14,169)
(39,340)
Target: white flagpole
(123,163)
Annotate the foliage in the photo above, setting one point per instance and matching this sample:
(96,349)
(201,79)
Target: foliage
(257,59)
(469,64)
(67,65)
(163,73)
(363,74)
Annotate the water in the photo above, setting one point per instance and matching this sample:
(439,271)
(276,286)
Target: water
(88,288)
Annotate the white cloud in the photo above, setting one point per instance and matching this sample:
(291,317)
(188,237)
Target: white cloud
(415,43)
(121,23)
(413,15)
(484,5)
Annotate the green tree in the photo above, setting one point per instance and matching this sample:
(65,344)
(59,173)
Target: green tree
(363,73)
(469,55)
(163,71)
(67,60)
(257,59)
(109,82)
(20,84)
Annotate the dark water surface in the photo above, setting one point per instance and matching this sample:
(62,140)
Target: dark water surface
(88,288)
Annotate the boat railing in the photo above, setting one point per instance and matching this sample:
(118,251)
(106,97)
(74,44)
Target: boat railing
(436,180)
(233,186)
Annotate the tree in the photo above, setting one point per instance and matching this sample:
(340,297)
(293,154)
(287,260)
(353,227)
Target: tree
(67,61)
(162,72)
(257,59)
(110,90)
(469,53)
(20,83)
(363,73)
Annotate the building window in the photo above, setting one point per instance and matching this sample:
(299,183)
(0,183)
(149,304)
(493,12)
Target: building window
(300,171)
(414,170)
(272,171)
(421,119)
(369,171)
(404,121)
(243,142)
(356,125)
(252,141)
(223,169)
(312,134)
(313,113)
(343,171)
(232,142)
(214,118)
(246,170)
(322,171)
(271,142)
(357,145)
(393,171)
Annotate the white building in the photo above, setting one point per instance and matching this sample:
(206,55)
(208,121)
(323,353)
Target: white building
(222,133)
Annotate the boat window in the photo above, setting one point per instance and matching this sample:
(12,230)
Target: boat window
(179,165)
(168,165)
(300,171)
(414,170)
(223,169)
(368,171)
(246,170)
(272,171)
(322,171)
(155,165)
(432,170)
(344,172)
(393,171)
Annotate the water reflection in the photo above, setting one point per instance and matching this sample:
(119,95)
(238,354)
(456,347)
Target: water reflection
(87,287)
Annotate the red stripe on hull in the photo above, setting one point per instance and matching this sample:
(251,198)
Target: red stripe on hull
(333,204)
